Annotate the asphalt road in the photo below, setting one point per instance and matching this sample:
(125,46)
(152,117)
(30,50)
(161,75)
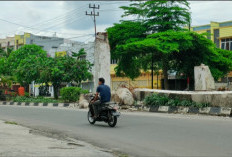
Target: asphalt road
(137,134)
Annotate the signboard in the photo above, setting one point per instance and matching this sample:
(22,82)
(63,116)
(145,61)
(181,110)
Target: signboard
(42,84)
(61,54)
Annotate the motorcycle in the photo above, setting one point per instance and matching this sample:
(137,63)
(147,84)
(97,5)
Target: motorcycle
(108,113)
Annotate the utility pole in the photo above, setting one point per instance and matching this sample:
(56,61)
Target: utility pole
(94,16)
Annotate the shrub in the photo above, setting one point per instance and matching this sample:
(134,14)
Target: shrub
(173,102)
(71,94)
(159,100)
(156,100)
(2,96)
(27,94)
(34,99)
(186,103)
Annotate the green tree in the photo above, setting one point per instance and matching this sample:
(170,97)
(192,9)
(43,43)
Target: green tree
(64,70)
(183,50)
(155,16)
(125,32)
(29,69)
(17,63)
(160,15)
(22,53)
(2,53)
(7,81)
(3,66)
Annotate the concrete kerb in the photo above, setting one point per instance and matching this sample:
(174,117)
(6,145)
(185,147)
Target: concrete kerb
(217,111)
(39,104)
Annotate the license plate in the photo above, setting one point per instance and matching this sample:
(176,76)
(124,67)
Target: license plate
(116,114)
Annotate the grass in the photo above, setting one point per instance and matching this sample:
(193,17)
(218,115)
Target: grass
(9,122)
(35,99)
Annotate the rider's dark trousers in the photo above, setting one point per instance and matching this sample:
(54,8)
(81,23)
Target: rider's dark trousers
(96,107)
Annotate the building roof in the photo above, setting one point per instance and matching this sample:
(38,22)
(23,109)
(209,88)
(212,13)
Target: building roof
(208,26)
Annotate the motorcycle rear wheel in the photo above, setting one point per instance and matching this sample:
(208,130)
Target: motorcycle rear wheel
(90,118)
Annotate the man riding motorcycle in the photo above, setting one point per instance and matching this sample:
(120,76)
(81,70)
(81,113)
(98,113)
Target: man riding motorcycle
(105,96)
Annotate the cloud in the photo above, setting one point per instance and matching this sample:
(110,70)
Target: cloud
(68,19)
(205,11)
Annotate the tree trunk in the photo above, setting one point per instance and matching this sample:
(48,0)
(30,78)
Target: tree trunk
(26,87)
(152,71)
(56,89)
(165,72)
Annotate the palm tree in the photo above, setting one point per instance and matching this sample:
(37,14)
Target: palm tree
(6,81)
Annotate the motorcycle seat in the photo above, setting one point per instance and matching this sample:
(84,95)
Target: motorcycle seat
(108,103)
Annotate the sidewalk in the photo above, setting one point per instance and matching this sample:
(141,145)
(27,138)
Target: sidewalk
(17,141)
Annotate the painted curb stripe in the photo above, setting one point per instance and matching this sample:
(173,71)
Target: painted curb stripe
(224,111)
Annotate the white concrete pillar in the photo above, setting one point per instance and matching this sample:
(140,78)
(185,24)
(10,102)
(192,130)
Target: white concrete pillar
(101,59)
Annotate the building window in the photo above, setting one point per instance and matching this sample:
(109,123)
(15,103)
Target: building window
(17,44)
(114,61)
(226,44)
(31,42)
(216,35)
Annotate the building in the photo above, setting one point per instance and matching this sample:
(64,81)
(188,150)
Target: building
(8,42)
(221,34)
(143,81)
(18,41)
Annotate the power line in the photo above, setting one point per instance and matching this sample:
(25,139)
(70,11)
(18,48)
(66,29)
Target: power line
(58,39)
(94,16)
(57,18)
(32,27)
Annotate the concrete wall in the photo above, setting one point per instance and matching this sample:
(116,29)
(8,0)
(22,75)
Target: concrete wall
(215,98)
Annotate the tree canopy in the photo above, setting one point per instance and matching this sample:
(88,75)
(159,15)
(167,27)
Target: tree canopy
(64,70)
(157,37)
(17,56)
(31,63)
(152,17)
(160,15)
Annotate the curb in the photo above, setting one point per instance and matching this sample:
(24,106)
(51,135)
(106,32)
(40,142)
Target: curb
(216,111)
(38,104)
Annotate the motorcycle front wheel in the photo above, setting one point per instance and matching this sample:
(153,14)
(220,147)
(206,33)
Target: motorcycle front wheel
(90,118)
(112,121)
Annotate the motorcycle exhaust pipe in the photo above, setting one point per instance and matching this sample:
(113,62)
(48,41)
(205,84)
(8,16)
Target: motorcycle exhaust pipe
(103,117)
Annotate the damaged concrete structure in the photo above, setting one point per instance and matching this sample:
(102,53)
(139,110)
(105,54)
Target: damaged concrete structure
(204,80)
(101,59)
(214,98)
(97,53)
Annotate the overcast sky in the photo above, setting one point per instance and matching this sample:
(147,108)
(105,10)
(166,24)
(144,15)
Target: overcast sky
(68,19)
